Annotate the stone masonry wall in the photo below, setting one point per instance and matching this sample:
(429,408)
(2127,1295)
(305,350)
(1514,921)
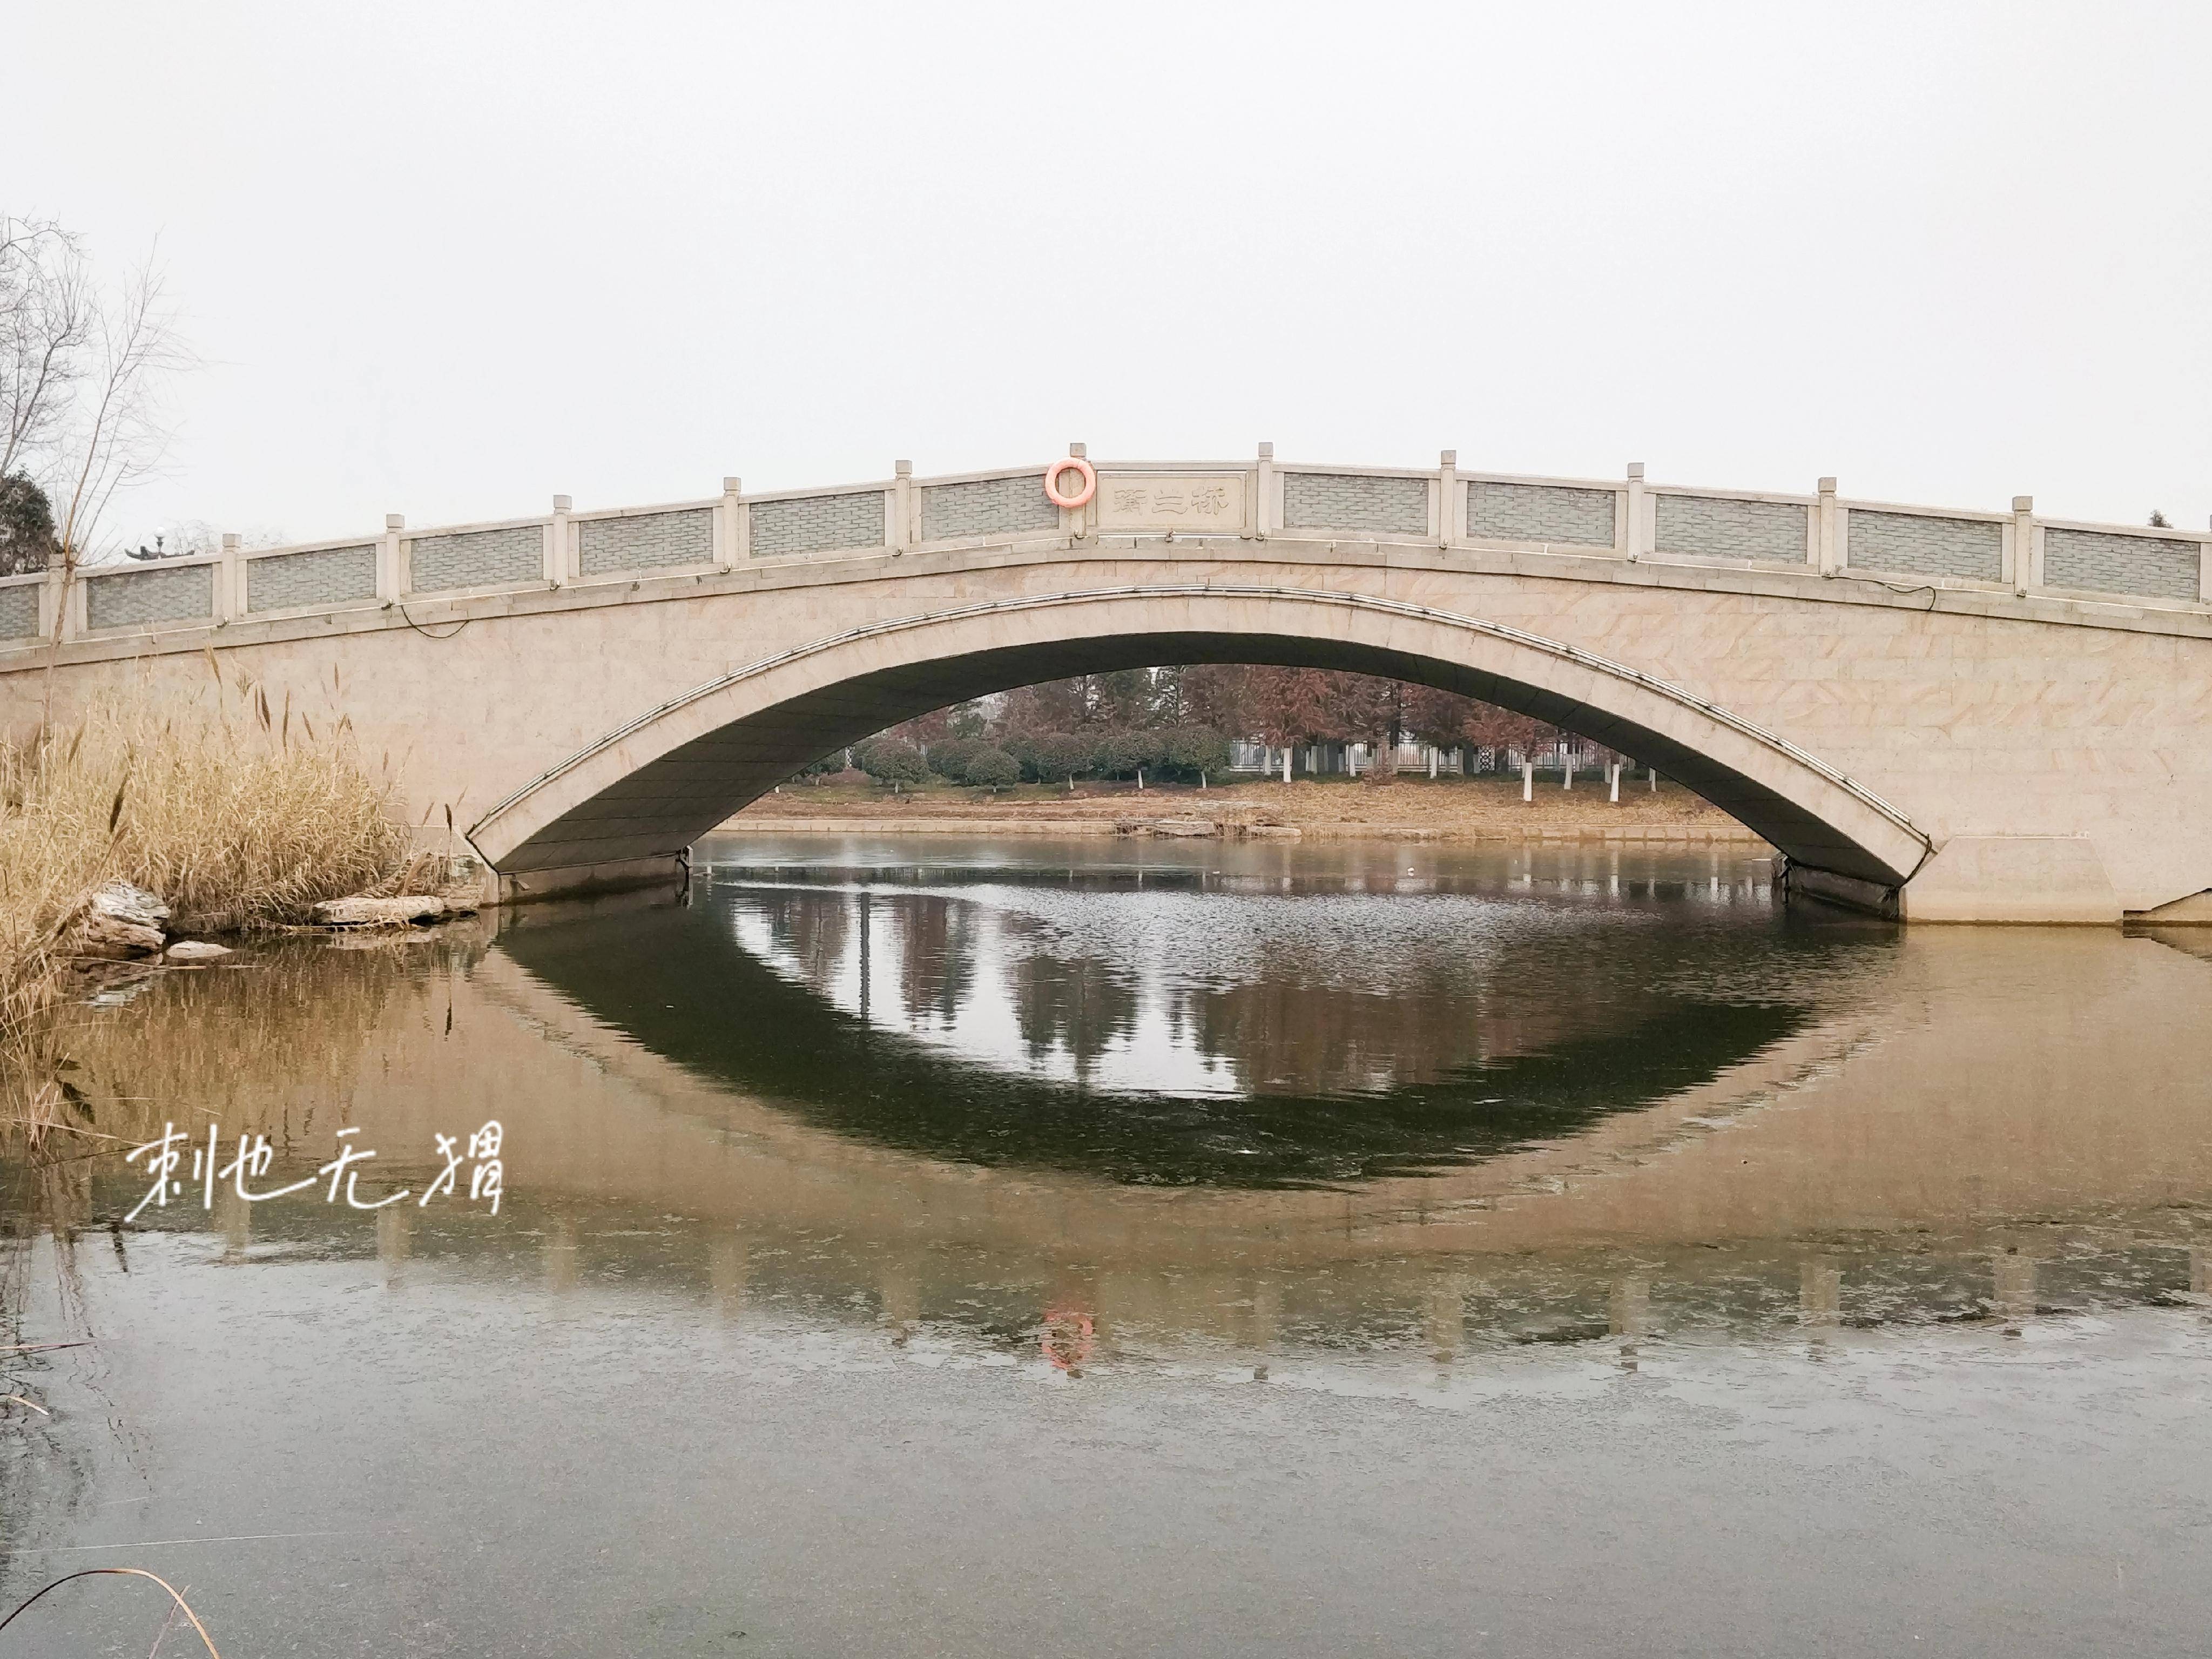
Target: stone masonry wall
(986,506)
(328,576)
(1913,542)
(140,598)
(645,542)
(2155,567)
(1716,527)
(1333,501)
(817,523)
(477,558)
(1540,513)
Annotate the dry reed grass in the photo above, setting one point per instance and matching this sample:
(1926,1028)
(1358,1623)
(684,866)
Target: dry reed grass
(236,813)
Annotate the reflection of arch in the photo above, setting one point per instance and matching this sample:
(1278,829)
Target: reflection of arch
(653,786)
(792,1048)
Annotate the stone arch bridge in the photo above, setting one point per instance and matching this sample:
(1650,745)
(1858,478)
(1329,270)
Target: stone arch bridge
(1944,715)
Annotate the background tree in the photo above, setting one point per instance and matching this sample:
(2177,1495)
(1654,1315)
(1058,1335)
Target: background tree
(890,760)
(1215,694)
(1125,701)
(83,371)
(949,756)
(992,768)
(27,526)
(815,770)
(1289,706)
(1056,757)
(1488,726)
(1051,706)
(1195,752)
(47,325)
(1176,722)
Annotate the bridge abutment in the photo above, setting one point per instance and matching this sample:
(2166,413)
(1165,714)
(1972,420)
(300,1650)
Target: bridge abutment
(2033,880)
(582,880)
(2058,880)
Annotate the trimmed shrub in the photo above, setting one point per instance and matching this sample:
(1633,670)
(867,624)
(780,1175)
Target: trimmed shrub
(1119,754)
(949,756)
(994,768)
(1190,751)
(1057,756)
(887,760)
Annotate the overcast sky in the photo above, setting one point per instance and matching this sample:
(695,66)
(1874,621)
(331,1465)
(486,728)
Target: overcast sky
(447,259)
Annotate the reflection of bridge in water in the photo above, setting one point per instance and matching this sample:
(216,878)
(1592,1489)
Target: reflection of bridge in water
(1953,1124)
(1020,1024)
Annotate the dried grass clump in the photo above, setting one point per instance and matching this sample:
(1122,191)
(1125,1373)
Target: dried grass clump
(234,813)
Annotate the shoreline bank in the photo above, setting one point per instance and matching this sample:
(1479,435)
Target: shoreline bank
(1411,809)
(1039,826)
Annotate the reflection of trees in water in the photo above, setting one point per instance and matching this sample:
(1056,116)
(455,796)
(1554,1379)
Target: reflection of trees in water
(935,940)
(1297,1022)
(930,941)
(685,984)
(814,930)
(1281,1034)
(1078,1003)
(1292,1028)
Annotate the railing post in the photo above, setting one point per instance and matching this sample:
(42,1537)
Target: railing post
(230,580)
(1451,500)
(1827,532)
(901,525)
(54,621)
(2027,572)
(729,546)
(1266,517)
(558,570)
(2204,573)
(391,579)
(1633,542)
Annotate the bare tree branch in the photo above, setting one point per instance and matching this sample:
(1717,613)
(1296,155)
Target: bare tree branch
(48,314)
(120,433)
(82,378)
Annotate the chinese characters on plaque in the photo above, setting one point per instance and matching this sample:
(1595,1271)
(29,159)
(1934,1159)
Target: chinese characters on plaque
(1202,505)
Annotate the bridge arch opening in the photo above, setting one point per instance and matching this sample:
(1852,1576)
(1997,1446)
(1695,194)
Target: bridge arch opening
(646,791)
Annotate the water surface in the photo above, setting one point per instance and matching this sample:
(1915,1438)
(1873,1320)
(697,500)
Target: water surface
(918,1247)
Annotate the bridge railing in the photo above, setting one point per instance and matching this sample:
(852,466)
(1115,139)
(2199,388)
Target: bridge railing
(1215,503)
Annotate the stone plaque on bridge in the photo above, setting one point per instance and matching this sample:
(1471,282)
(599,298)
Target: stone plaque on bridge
(1209,504)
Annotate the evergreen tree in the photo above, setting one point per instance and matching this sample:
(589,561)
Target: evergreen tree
(27,526)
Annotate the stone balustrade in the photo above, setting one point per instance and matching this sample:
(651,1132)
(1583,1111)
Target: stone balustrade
(2082,570)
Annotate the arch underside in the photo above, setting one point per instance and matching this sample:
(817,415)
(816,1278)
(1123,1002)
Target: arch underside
(668,800)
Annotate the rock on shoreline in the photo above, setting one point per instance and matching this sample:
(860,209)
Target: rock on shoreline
(1222,828)
(120,921)
(399,912)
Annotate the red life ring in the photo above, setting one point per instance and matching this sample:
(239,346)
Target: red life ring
(1051,478)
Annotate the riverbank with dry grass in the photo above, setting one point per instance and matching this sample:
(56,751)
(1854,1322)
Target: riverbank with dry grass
(235,816)
(1410,809)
